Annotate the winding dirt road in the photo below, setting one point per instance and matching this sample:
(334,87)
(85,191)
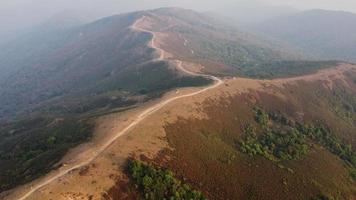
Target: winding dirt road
(146,113)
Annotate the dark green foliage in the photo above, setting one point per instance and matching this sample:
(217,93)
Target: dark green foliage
(160,184)
(150,78)
(275,142)
(285,146)
(251,144)
(283,139)
(327,139)
(261,116)
(30,148)
(275,145)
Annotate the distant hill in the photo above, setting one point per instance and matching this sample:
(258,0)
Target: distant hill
(322,33)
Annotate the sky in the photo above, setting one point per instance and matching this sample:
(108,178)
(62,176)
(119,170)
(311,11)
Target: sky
(17,14)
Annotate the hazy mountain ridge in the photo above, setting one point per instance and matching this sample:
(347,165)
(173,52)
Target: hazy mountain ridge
(209,39)
(82,56)
(49,64)
(322,33)
(55,61)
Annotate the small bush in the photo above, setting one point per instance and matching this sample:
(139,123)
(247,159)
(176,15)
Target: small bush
(275,145)
(160,184)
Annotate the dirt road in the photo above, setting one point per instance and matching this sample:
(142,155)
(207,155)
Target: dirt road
(146,113)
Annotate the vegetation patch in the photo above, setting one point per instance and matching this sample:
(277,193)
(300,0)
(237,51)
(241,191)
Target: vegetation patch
(160,184)
(30,148)
(275,145)
(283,139)
(327,139)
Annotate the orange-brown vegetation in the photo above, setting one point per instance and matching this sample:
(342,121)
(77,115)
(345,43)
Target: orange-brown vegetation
(205,150)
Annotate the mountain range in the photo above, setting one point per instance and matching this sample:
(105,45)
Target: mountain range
(171,103)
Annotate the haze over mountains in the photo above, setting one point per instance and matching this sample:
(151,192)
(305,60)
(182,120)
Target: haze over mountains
(97,57)
(321,33)
(78,60)
(109,109)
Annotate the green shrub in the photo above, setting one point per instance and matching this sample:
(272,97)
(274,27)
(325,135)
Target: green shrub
(275,145)
(327,139)
(261,116)
(160,184)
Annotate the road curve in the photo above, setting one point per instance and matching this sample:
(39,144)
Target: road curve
(138,119)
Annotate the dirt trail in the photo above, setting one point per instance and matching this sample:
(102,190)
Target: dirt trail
(146,113)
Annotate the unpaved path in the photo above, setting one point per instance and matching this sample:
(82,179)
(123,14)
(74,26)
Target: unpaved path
(146,113)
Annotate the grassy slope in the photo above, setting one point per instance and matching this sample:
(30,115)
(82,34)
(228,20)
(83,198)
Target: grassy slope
(206,151)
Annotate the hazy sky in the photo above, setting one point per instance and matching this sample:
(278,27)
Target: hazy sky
(22,13)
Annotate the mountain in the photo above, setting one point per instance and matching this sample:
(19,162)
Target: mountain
(47,63)
(217,45)
(87,103)
(65,59)
(91,59)
(322,33)
(55,79)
